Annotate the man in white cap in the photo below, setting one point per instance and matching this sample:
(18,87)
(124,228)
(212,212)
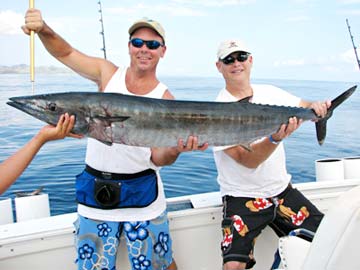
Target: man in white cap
(255,185)
(120,192)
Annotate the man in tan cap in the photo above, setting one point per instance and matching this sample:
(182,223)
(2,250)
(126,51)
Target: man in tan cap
(105,210)
(255,185)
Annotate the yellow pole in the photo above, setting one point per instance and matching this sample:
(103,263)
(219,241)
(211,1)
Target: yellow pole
(32,52)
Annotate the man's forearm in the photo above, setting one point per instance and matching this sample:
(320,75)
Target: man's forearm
(54,43)
(260,151)
(164,156)
(13,167)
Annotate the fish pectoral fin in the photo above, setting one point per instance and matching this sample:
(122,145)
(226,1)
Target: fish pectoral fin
(105,142)
(27,194)
(247,147)
(112,119)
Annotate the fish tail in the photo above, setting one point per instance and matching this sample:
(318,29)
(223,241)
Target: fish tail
(321,123)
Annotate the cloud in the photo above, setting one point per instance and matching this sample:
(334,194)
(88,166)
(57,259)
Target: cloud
(330,68)
(169,9)
(10,22)
(349,56)
(290,63)
(298,19)
(215,3)
(347,2)
(330,63)
(355,12)
(300,1)
(345,57)
(180,8)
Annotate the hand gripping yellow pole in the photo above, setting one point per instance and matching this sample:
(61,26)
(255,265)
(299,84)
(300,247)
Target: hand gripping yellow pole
(32,52)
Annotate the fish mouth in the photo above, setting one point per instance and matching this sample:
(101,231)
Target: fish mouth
(37,107)
(29,107)
(23,106)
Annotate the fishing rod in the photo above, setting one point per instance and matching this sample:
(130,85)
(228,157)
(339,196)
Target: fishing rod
(352,40)
(102,29)
(32,53)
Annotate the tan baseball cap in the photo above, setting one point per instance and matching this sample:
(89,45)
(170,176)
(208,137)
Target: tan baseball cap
(229,46)
(146,22)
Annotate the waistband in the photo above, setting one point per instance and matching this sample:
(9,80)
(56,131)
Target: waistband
(283,193)
(117,176)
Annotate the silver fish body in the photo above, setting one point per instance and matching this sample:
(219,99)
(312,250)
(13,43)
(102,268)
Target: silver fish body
(139,121)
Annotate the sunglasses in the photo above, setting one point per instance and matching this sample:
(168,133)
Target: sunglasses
(150,44)
(241,57)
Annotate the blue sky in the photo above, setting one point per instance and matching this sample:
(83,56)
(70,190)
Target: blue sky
(294,39)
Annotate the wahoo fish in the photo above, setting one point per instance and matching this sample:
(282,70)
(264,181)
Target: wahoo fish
(148,122)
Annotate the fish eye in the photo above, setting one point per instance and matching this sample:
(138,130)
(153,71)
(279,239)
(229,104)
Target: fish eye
(52,106)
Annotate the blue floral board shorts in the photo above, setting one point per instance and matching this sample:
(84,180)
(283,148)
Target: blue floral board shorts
(148,243)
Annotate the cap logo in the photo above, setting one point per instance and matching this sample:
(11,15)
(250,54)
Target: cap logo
(232,44)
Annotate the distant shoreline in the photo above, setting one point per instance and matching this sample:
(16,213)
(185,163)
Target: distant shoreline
(24,69)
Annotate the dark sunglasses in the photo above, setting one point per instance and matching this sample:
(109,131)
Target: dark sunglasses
(241,57)
(150,44)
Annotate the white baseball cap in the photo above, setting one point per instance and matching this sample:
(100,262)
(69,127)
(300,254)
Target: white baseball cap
(227,47)
(148,23)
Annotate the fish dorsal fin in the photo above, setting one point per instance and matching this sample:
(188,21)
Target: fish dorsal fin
(245,100)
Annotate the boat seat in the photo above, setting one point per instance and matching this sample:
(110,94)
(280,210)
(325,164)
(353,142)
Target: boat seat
(334,246)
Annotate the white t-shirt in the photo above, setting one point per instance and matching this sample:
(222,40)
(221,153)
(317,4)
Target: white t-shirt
(269,178)
(120,158)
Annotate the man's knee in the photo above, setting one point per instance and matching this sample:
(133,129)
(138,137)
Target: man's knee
(233,265)
(172,266)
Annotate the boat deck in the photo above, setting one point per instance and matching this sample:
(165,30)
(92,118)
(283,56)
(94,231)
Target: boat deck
(47,243)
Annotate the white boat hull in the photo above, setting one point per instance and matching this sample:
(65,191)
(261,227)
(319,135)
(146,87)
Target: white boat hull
(48,243)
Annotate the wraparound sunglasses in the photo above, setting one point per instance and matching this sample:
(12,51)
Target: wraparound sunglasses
(241,57)
(150,44)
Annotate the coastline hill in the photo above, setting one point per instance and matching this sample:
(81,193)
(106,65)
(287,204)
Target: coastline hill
(23,69)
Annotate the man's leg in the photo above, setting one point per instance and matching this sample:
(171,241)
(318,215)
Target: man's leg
(243,221)
(96,243)
(172,266)
(296,211)
(149,244)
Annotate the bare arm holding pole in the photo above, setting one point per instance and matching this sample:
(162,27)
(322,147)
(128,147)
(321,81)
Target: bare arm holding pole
(32,52)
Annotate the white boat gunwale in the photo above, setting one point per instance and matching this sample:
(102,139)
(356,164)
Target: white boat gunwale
(53,235)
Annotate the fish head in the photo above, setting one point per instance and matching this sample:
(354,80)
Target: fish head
(49,107)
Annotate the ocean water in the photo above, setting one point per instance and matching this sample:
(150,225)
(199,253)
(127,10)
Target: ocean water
(58,162)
